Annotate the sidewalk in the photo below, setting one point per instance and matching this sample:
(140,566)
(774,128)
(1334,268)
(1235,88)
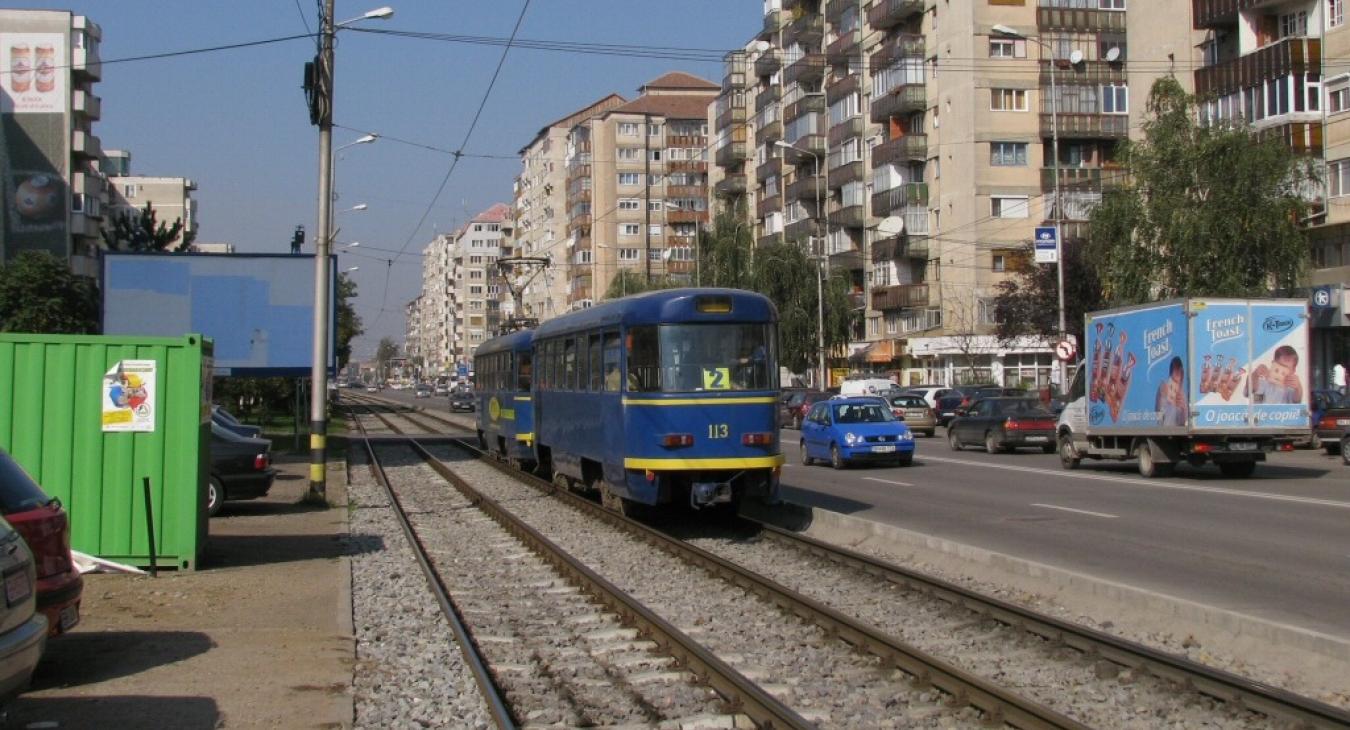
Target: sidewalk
(261,636)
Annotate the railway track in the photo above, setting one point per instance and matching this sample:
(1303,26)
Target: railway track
(1101,656)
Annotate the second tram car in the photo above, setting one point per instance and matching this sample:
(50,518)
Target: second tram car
(663,397)
(503,375)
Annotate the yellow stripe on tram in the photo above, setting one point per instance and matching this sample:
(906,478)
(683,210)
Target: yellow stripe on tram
(699,401)
(525,438)
(523,398)
(754,462)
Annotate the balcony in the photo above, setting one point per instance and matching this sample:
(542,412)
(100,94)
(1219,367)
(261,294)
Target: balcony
(731,186)
(575,171)
(900,296)
(579,293)
(580,221)
(802,230)
(1087,126)
(732,115)
(578,196)
(1082,178)
(898,151)
(901,101)
(86,61)
(843,174)
(768,62)
(805,149)
(1277,60)
(806,189)
(904,245)
(686,140)
(848,216)
(1211,13)
(686,216)
(685,191)
(679,267)
(770,132)
(886,14)
(906,194)
(686,166)
(1300,136)
(838,49)
(807,29)
(838,87)
(773,22)
(83,102)
(899,45)
(772,166)
(768,96)
(1080,20)
(807,70)
(768,204)
(847,129)
(732,153)
(84,144)
(811,104)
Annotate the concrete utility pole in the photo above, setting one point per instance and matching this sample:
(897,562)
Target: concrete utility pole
(318,373)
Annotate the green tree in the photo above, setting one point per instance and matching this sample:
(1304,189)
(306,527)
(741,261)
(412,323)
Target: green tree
(1028,302)
(349,325)
(140,231)
(384,352)
(786,275)
(725,251)
(1208,210)
(635,282)
(39,294)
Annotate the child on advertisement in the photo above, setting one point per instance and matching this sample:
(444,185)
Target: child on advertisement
(1277,382)
(1171,400)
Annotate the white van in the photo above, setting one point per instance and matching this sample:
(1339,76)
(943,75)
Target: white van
(866,385)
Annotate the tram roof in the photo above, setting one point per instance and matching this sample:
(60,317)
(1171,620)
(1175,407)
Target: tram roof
(665,306)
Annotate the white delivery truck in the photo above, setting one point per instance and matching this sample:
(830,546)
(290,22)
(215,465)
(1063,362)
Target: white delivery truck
(1194,380)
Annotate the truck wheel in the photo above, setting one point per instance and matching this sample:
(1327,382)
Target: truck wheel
(1150,467)
(1237,469)
(1068,455)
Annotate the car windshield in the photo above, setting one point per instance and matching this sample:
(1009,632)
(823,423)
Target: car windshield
(1021,407)
(18,491)
(683,358)
(861,413)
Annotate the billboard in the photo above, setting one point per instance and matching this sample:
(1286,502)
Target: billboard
(34,134)
(1253,363)
(1137,374)
(258,308)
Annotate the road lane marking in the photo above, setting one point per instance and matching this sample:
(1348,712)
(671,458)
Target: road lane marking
(887,481)
(1079,511)
(1147,483)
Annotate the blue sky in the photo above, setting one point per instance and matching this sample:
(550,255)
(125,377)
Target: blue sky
(235,121)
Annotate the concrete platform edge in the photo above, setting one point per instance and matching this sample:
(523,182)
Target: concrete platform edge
(848,531)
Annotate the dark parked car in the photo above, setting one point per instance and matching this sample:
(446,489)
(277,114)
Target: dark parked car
(45,526)
(1001,424)
(462,399)
(225,418)
(914,411)
(793,410)
(23,629)
(1334,424)
(241,468)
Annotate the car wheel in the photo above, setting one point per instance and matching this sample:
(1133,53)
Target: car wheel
(991,444)
(1345,450)
(953,441)
(836,457)
(215,496)
(806,459)
(1068,455)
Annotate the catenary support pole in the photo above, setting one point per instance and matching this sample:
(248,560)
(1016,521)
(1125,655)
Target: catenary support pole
(318,392)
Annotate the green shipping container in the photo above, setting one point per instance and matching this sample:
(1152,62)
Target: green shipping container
(90,417)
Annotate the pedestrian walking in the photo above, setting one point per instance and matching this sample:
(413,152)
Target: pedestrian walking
(1338,378)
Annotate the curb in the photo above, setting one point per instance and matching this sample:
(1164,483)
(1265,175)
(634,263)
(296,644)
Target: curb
(850,531)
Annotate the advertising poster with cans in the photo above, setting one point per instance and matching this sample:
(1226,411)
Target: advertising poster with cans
(1253,364)
(34,81)
(1136,369)
(34,135)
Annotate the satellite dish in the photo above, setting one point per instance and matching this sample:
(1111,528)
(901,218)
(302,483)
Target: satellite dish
(891,226)
(761,46)
(1113,54)
(1075,57)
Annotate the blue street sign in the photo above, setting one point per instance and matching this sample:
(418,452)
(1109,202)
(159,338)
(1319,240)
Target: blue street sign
(1046,250)
(463,370)
(1321,297)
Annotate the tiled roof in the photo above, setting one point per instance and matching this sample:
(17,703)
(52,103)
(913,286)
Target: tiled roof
(497,213)
(594,108)
(680,80)
(674,106)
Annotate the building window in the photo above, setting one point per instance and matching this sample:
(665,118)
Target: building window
(1000,262)
(630,255)
(1008,100)
(1338,178)
(1007,48)
(1294,24)
(654,254)
(630,229)
(630,204)
(1115,99)
(653,130)
(630,178)
(1335,13)
(628,128)
(1338,100)
(1111,4)
(629,153)
(1008,154)
(656,155)
(1008,206)
(130,191)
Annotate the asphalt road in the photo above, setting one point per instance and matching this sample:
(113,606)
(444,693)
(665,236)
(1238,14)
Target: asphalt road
(1274,546)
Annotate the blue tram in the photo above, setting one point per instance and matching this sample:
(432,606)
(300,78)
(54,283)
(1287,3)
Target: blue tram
(662,397)
(503,374)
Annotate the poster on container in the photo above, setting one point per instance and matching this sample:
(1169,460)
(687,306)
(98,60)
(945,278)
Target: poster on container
(1253,363)
(1136,369)
(129,397)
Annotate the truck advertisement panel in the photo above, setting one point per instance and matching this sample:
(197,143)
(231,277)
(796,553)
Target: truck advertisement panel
(1136,375)
(1253,363)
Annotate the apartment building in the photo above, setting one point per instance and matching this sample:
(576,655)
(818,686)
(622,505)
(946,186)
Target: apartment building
(127,194)
(637,186)
(48,152)
(476,288)
(937,119)
(412,335)
(541,220)
(434,327)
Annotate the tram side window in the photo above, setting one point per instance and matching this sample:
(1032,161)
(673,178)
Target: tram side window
(523,371)
(644,360)
(597,369)
(569,379)
(613,378)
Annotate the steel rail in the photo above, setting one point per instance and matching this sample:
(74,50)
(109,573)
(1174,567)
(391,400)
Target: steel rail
(999,704)
(1266,699)
(487,686)
(741,693)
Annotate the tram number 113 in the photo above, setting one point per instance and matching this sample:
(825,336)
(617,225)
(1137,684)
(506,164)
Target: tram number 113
(717,430)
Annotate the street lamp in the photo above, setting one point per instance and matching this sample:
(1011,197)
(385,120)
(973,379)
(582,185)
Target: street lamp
(321,111)
(820,289)
(1004,30)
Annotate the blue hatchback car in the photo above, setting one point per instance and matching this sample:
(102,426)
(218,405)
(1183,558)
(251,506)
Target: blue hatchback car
(844,430)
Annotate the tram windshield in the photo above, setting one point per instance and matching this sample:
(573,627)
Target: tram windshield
(685,358)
